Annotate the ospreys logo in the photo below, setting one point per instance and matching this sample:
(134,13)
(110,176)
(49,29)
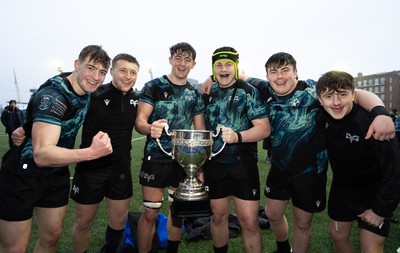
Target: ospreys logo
(146,176)
(75,189)
(133,102)
(352,137)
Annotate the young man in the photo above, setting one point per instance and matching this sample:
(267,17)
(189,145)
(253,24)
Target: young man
(12,118)
(366,173)
(167,99)
(35,176)
(112,110)
(233,174)
(299,164)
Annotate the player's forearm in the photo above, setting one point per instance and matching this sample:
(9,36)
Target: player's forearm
(54,156)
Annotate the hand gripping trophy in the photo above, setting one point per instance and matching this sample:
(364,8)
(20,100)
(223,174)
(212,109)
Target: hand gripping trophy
(191,148)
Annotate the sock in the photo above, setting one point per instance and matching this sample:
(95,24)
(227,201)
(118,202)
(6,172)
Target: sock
(223,249)
(172,247)
(283,246)
(112,240)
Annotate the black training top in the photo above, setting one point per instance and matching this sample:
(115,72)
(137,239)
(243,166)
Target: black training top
(364,171)
(114,113)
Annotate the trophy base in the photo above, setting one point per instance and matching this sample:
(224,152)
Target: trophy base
(187,209)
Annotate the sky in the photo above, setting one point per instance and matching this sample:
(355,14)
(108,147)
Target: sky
(37,37)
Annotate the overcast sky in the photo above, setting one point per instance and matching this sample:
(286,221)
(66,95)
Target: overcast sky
(351,35)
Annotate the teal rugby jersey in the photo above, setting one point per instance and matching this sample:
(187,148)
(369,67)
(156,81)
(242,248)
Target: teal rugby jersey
(234,107)
(56,103)
(177,104)
(295,130)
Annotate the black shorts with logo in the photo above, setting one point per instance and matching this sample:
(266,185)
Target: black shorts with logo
(240,180)
(308,192)
(161,174)
(91,185)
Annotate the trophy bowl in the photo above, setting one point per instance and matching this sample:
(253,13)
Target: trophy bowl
(191,148)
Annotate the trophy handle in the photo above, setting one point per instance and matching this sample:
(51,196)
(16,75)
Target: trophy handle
(219,126)
(166,128)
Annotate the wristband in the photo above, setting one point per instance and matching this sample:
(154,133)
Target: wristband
(378,110)
(239,136)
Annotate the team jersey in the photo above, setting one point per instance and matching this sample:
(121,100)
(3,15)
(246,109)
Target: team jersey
(177,104)
(364,171)
(54,103)
(234,107)
(294,132)
(114,113)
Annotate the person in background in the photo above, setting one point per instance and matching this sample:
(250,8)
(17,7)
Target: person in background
(34,176)
(173,100)
(233,174)
(112,110)
(366,173)
(12,118)
(299,163)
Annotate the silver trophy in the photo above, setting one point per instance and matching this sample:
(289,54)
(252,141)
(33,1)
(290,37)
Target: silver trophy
(191,148)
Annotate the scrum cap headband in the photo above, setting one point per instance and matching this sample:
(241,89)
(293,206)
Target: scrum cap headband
(226,55)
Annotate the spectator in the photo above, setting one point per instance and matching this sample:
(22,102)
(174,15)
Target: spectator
(12,118)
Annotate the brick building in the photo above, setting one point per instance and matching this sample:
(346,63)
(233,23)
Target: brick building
(385,85)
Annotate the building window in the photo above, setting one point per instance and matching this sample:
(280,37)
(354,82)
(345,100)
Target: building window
(383,88)
(390,87)
(370,82)
(370,89)
(365,83)
(359,84)
(376,89)
(383,81)
(376,81)
(382,97)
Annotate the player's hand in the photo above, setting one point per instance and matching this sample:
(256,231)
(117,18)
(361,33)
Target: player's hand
(101,145)
(206,86)
(382,128)
(371,218)
(18,136)
(157,127)
(228,135)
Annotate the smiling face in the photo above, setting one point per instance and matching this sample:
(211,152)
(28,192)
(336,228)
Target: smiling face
(89,76)
(337,103)
(225,73)
(182,63)
(124,74)
(283,80)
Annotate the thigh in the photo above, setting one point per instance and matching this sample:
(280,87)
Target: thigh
(14,234)
(117,212)
(50,220)
(247,211)
(371,242)
(277,185)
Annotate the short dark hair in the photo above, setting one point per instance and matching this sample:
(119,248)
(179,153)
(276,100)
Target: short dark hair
(95,53)
(280,59)
(125,57)
(183,47)
(12,101)
(335,80)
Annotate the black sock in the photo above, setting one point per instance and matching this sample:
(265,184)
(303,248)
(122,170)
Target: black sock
(112,240)
(223,249)
(172,247)
(283,246)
